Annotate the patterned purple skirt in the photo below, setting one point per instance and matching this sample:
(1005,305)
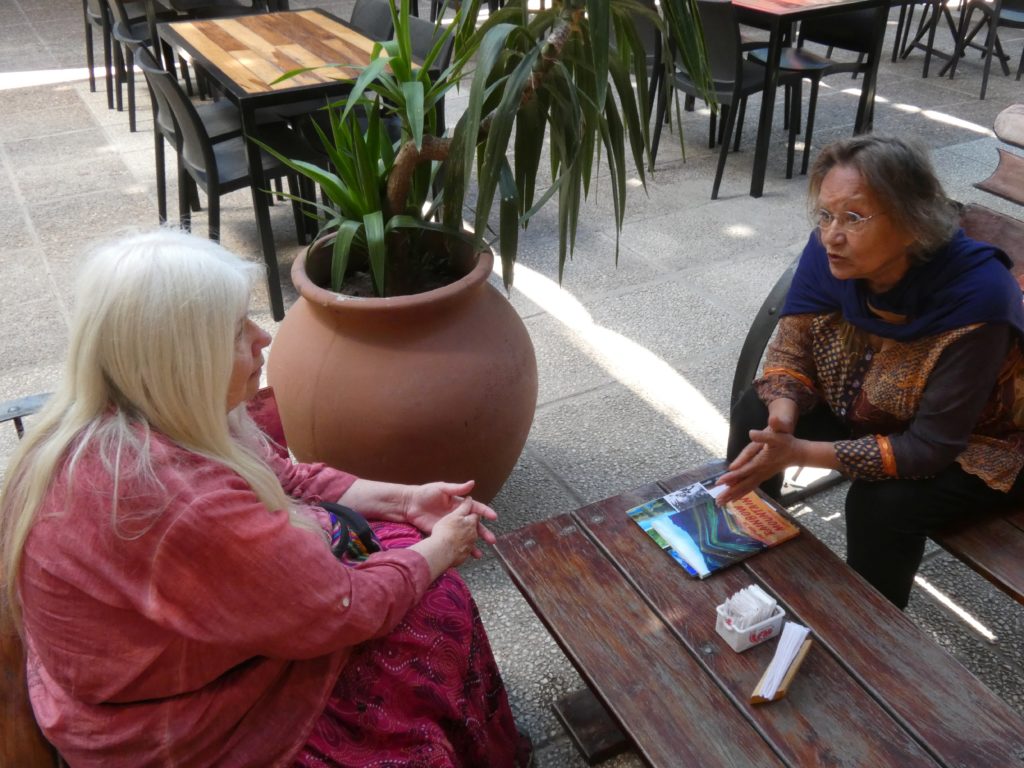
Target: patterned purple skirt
(428,695)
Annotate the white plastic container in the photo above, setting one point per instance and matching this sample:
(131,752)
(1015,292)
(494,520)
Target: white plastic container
(741,640)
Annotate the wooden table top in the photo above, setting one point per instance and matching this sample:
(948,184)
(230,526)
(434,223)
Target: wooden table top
(875,690)
(253,51)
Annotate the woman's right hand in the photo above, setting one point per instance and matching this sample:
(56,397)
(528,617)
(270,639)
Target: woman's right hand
(452,540)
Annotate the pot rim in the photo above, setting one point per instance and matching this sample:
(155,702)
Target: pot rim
(327,298)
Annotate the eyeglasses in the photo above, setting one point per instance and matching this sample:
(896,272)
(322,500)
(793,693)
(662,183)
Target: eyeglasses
(848,221)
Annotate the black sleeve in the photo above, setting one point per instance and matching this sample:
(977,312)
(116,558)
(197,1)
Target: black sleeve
(957,391)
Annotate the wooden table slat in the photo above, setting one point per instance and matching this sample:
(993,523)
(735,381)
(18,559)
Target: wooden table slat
(574,589)
(826,717)
(928,690)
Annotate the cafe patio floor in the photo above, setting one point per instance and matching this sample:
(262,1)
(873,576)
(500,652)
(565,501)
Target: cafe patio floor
(635,359)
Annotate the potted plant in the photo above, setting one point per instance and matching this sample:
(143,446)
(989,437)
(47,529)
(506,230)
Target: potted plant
(395,193)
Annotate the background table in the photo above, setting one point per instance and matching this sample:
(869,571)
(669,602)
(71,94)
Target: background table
(873,691)
(246,54)
(777,16)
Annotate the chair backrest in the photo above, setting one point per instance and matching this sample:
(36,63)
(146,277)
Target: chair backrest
(118,12)
(849,30)
(372,18)
(194,143)
(424,34)
(722,30)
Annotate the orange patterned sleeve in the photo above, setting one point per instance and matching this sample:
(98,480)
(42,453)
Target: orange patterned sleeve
(789,366)
(866,458)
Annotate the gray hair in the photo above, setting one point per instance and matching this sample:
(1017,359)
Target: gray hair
(901,176)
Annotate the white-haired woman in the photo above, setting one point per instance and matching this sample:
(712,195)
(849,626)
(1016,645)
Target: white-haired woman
(181,599)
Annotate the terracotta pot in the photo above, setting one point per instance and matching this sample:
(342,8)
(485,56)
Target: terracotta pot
(440,385)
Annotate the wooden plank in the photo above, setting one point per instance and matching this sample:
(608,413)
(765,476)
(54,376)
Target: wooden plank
(926,690)
(994,548)
(1007,180)
(590,727)
(634,664)
(827,718)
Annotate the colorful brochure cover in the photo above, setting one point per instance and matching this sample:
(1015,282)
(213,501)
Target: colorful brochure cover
(704,537)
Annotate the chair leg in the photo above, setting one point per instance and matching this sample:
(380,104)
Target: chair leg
(812,107)
(90,61)
(108,62)
(900,25)
(989,43)
(119,76)
(295,188)
(712,129)
(213,214)
(130,77)
(729,118)
(794,124)
(1020,67)
(739,125)
(184,203)
(658,122)
(161,175)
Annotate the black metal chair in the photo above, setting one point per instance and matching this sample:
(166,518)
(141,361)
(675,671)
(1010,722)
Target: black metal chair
(130,33)
(934,11)
(372,18)
(1000,13)
(853,31)
(216,168)
(734,79)
(95,14)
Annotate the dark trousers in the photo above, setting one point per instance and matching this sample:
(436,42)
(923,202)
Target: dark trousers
(887,521)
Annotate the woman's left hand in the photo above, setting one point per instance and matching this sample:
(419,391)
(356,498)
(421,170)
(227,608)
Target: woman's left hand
(426,504)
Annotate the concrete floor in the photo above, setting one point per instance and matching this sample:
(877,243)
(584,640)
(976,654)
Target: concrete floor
(636,359)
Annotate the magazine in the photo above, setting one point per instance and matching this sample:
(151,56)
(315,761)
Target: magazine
(704,537)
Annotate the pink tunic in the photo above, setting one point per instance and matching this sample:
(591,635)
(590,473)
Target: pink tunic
(205,630)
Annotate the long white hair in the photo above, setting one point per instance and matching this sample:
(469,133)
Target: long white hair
(151,348)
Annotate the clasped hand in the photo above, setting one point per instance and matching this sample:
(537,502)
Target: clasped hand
(427,504)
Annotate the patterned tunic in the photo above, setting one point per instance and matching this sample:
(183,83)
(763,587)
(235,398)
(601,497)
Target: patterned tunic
(912,407)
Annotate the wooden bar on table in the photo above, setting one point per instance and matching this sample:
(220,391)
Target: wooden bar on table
(825,710)
(575,590)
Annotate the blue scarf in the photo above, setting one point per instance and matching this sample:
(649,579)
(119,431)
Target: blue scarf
(964,282)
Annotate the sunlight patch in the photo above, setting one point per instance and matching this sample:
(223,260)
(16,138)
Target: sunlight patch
(11,80)
(645,374)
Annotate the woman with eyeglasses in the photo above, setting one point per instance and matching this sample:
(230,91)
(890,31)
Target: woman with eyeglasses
(898,361)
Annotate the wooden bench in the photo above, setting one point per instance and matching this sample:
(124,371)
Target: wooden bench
(993,545)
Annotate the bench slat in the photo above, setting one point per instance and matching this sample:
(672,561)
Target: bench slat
(564,576)
(994,548)
(824,706)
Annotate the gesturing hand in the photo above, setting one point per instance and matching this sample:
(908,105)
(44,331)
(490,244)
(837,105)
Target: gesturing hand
(768,453)
(427,504)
